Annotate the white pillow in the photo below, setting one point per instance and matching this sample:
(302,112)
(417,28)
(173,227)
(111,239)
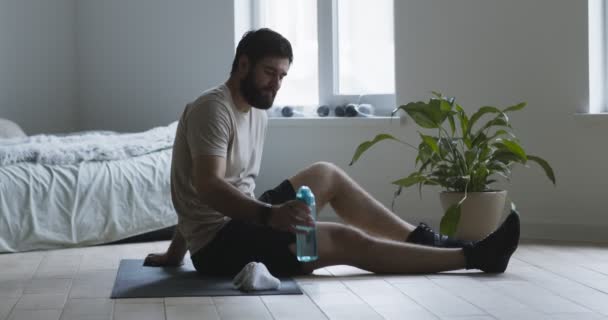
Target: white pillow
(9,129)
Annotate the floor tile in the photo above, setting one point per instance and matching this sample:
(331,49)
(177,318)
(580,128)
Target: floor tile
(192,312)
(293,307)
(20,314)
(6,305)
(41,301)
(48,286)
(139,311)
(88,309)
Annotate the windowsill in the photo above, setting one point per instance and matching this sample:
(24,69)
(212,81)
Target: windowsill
(591,119)
(334,122)
(588,115)
(592,116)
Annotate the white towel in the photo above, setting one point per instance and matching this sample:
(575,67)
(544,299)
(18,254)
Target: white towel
(255,276)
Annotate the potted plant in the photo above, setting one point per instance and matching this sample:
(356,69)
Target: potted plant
(464,157)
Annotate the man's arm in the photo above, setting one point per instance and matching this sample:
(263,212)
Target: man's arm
(174,255)
(209,173)
(214,191)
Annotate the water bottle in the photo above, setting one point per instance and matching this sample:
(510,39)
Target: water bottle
(307,242)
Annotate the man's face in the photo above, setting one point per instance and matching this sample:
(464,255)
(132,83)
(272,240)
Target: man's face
(260,85)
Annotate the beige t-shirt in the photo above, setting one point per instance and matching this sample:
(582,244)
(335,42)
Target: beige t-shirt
(212,125)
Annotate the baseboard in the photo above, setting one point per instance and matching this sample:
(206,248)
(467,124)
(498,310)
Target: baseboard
(157,235)
(565,232)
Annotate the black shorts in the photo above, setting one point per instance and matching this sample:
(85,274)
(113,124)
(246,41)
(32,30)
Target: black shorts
(239,243)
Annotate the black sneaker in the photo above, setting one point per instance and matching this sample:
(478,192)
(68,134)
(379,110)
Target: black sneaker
(424,235)
(492,254)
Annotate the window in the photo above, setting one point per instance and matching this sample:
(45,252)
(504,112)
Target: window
(366,47)
(598,57)
(343,50)
(301,87)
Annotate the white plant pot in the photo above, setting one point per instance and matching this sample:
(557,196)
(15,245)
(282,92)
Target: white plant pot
(479,214)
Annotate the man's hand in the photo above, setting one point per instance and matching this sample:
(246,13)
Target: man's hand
(162,260)
(290,214)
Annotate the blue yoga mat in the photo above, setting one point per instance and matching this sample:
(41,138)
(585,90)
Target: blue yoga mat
(134,280)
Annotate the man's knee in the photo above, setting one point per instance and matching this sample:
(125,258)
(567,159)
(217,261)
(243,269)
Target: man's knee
(324,169)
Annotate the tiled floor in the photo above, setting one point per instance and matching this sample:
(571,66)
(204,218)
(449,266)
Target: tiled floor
(544,281)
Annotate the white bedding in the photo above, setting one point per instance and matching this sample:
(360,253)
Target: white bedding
(53,206)
(85,146)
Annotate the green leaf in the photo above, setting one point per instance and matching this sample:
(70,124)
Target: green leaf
(500,121)
(484,153)
(480,179)
(464,121)
(445,106)
(468,142)
(501,133)
(425,152)
(480,113)
(452,123)
(428,115)
(506,157)
(498,166)
(449,221)
(421,113)
(410,180)
(439,110)
(368,144)
(545,165)
(424,166)
(512,146)
(516,107)
(470,156)
(447,146)
(451,101)
(458,183)
(430,141)
(479,139)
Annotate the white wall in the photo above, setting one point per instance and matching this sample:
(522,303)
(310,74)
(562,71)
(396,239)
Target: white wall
(38,79)
(124,65)
(484,52)
(141,61)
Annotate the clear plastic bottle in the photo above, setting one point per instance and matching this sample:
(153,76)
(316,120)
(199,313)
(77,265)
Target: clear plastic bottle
(307,242)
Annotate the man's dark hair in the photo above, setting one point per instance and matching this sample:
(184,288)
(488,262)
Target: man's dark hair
(260,44)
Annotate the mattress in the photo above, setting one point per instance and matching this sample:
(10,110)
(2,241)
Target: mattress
(46,206)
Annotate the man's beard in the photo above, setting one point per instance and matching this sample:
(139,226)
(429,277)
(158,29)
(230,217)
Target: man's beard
(253,95)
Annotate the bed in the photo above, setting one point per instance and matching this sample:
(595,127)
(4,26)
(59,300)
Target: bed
(84,188)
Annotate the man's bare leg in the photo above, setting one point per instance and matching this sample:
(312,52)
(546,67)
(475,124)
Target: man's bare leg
(342,244)
(353,204)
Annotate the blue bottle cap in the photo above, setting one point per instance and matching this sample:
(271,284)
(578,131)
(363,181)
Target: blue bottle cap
(306,195)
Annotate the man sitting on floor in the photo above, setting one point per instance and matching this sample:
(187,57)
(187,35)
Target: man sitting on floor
(216,159)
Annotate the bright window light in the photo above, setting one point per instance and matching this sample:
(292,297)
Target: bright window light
(597,56)
(366,47)
(297,21)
